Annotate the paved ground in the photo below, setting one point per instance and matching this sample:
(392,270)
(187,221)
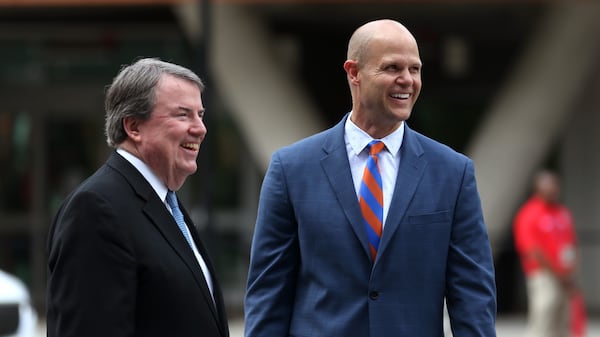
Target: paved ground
(505,327)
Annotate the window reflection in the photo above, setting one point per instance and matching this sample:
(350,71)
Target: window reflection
(74,149)
(15,156)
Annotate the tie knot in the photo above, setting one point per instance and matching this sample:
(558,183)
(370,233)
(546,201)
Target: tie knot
(375,147)
(172,200)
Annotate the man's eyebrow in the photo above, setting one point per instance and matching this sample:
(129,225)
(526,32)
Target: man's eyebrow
(190,110)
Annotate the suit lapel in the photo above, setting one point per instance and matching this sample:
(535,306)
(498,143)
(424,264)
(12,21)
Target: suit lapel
(337,168)
(219,314)
(166,225)
(411,169)
(164,222)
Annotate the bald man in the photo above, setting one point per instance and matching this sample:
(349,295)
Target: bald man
(364,229)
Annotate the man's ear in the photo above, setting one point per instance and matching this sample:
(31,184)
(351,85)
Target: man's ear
(351,68)
(131,125)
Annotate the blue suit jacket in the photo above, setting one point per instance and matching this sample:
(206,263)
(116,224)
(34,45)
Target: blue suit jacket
(311,272)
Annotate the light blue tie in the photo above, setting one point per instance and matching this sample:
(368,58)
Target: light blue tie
(178,216)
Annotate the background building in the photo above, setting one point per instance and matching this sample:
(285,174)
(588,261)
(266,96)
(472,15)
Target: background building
(515,85)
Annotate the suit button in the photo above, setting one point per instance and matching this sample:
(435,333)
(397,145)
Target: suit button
(373,295)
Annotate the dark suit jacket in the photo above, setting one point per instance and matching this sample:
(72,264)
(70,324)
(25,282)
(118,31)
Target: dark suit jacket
(311,272)
(119,266)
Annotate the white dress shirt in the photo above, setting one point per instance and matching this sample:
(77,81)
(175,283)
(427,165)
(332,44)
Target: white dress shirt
(161,190)
(389,159)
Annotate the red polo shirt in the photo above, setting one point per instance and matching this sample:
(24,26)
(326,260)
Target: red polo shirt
(548,228)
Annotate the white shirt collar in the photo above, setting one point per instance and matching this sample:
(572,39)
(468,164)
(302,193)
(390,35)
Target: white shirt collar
(359,139)
(159,187)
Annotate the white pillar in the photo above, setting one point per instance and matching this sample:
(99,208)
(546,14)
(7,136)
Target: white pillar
(580,161)
(531,112)
(263,96)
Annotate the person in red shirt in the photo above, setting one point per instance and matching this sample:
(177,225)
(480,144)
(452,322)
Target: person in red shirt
(546,242)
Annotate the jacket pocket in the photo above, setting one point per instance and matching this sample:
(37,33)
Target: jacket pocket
(429,218)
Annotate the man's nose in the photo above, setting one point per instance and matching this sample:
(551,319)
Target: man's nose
(198,127)
(404,77)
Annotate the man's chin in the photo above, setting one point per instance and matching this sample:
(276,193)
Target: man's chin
(191,170)
(402,115)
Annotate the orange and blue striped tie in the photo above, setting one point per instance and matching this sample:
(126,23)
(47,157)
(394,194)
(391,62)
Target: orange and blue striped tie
(371,197)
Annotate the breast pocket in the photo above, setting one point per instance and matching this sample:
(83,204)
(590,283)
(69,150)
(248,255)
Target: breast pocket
(429,218)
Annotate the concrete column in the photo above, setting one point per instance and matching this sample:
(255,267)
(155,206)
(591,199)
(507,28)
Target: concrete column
(580,161)
(263,96)
(530,114)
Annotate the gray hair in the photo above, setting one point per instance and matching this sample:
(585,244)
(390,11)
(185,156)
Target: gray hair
(132,94)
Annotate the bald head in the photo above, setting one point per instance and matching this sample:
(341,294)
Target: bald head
(383,69)
(360,41)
